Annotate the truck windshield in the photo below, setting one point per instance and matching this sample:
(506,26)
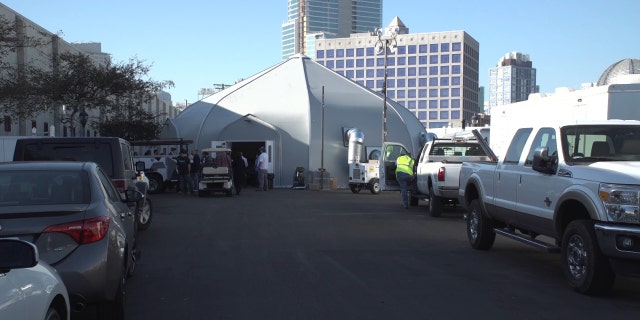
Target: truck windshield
(591,143)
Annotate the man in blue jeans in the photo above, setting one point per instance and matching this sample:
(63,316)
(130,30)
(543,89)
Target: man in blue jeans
(404,175)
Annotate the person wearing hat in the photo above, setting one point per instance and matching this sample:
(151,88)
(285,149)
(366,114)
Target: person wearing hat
(263,166)
(183,164)
(404,175)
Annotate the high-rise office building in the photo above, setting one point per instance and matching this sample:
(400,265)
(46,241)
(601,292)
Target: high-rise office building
(511,80)
(308,20)
(433,74)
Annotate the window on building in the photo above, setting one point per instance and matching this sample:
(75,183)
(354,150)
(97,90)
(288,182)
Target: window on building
(433,115)
(330,64)
(400,94)
(411,49)
(370,83)
(444,104)
(370,62)
(339,64)
(444,58)
(391,61)
(360,63)
(455,92)
(411,61)
(422,82)
(455,103)
(455,58)
(444,92)
(370,51)
(380,72)
(433,71)
(423,59)
(422,71)
(422,48)
(422,104)
(433,47)
(370,73)
(411,104)
(444,47)
(391,94)
(444,81)
(411,93)
(422,93)
(455,69)
(444,70)
(456,46)
(433,81)
(359,74)
(391,72)
(402,50)
(340,53)
(380,62)
(379,83)
(433,59)
(45,128)
(401,83)
(455,115)
(455,81)
(411,83)
(402,61)
(433,104)
(320,54)
(349,74)
(330,54)
(444,115)
(402,72)
(433,93)
(350,52)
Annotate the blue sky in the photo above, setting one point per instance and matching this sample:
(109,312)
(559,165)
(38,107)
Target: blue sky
(200,43)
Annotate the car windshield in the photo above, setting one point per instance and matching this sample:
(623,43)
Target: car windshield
(591,143)
(38,187)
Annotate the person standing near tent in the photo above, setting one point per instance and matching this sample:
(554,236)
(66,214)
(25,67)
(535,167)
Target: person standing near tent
(263,167)
(404,175)
(239,172)
(183,164)
(196,168)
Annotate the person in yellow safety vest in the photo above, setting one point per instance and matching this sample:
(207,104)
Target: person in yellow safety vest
(404,175)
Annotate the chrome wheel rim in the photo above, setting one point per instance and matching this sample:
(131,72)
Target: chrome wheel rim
(473,224)
(576,257)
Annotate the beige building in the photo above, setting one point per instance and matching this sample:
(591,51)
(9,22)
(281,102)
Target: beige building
(56,122)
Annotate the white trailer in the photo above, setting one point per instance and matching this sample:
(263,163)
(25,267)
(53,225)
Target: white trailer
(614,101)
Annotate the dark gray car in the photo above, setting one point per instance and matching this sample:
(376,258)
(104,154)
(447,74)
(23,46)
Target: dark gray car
(81,225)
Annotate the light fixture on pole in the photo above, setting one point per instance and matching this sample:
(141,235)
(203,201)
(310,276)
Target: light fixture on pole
(386,42)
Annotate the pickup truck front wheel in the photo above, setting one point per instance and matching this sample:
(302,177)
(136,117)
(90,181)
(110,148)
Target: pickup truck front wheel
(479,228)
(586,268)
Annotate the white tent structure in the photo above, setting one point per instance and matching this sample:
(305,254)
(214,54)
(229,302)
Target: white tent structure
(299,110)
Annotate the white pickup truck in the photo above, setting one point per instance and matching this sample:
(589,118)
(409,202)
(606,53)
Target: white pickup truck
(438,168)
(572,188)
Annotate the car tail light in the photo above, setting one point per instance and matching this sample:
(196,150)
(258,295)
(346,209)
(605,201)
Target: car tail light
(120,185)
(83,231)
(57,242)
(441,172)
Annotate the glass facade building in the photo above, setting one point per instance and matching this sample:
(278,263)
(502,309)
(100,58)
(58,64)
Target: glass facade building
(512,80)
(434,75)
(312,19)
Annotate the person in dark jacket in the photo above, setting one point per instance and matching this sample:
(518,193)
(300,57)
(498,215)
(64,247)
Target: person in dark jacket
(196,168)
(239,172)
(183,164)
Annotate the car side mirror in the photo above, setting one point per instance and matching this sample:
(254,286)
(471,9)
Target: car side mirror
(132,195)
(542,162)
(17,254)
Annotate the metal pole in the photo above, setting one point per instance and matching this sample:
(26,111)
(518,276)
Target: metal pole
(384,94)
(322,146)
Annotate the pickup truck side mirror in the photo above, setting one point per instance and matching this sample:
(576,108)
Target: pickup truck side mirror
(542,162)
(140,166)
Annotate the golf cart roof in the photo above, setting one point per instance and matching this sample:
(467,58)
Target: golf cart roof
(216,150)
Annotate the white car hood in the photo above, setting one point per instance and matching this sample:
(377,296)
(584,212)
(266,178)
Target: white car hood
(623,172)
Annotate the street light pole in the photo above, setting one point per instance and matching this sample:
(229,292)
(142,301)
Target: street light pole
(386,42)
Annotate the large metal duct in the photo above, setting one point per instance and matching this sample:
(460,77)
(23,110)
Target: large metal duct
(356,140)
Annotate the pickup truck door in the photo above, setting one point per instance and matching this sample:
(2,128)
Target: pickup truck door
(537,192)
(421,168)
(507,176)
(390,152)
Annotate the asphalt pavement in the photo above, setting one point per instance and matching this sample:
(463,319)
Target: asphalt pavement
(302,254)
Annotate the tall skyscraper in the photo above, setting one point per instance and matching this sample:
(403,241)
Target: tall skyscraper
(433,74)
(511,80)
(308,20)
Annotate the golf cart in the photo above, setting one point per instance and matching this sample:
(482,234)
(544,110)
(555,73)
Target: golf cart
(215,179)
